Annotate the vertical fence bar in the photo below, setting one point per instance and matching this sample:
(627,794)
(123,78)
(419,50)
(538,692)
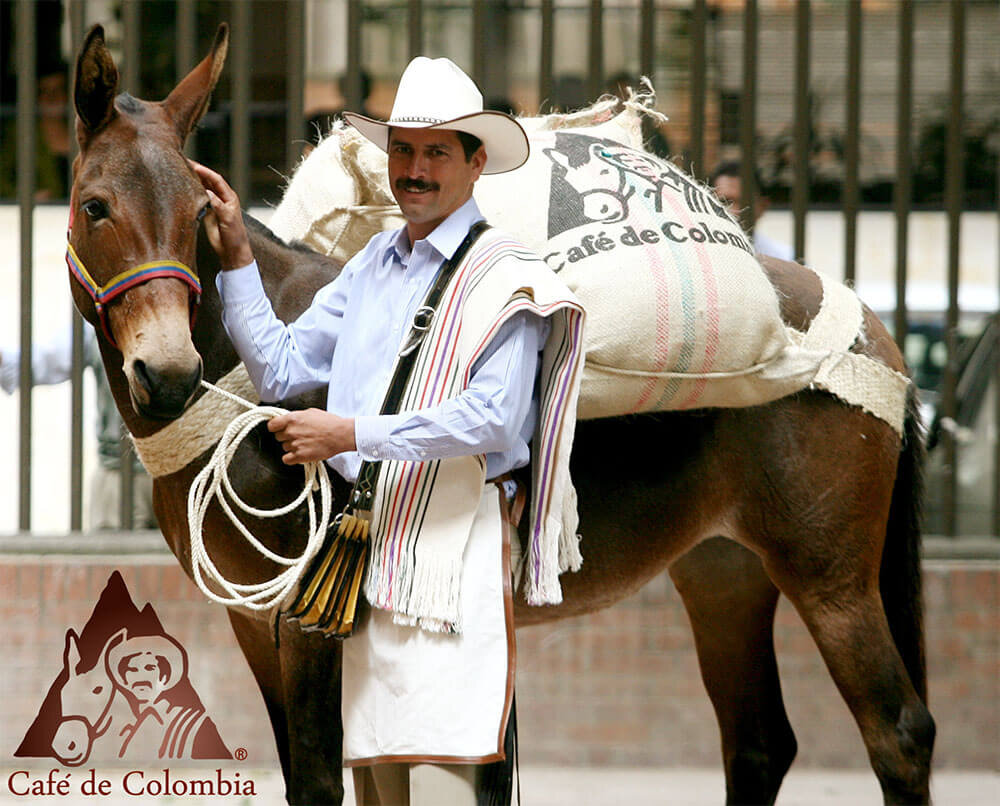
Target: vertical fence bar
(954,183)
(595,50)
(699,87)
(131,80)
(415,19)
(75,16)
(748,117)
(903,191)
(995,525)
(647,38)
(295,83)
(27,90)
(546,57)
(185,55)
(354,18)
(852,139)
(239,107)
(185,47)
(802,127)
(131,45)
(479,49)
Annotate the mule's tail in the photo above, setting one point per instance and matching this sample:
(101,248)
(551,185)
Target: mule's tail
(900,575)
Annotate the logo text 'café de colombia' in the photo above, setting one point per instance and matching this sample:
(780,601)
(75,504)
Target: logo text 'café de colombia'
(123,693)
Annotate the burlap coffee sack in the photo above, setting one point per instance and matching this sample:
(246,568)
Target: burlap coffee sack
(680,314)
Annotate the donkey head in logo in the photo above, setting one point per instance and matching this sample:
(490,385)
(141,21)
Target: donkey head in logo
(86,699)
(601,186)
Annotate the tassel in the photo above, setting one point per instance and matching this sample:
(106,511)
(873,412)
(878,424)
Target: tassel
(328,598)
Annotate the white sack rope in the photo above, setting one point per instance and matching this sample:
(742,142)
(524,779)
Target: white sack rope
(210,484)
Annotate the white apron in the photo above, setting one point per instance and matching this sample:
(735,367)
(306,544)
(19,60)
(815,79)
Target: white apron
(410,695)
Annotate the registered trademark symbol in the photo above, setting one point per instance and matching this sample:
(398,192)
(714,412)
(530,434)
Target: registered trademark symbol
(241,754)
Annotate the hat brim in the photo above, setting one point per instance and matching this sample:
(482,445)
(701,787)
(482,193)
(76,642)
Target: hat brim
(506,143)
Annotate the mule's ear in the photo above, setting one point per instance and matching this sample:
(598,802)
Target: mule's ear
(189,99)
(71,653)
(96,82)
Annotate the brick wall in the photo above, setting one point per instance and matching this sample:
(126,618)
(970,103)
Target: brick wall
(618,687)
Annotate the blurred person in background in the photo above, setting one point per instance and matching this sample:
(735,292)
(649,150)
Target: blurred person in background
(726,180)
(52,364)
(53,139)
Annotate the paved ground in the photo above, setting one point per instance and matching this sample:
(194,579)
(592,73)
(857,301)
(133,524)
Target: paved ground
(547,786)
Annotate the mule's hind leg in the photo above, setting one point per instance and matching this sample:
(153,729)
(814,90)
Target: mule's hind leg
(825,537)
(850,628)
(731,604)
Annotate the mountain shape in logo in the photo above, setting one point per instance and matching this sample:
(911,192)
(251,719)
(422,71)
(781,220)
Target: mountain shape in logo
(123,689)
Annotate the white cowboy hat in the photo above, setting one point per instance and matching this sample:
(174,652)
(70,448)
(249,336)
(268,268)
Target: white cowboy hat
(436,94)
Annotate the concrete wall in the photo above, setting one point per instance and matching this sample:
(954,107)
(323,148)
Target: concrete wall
(620,687)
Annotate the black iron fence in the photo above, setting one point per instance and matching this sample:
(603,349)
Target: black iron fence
(826,105)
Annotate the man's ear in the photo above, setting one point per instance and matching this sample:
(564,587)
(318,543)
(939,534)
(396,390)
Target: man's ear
(478,161)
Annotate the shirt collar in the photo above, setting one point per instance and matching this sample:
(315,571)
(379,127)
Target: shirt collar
(445,238)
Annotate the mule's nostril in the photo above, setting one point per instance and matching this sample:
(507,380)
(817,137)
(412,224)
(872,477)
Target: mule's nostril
(145,375)
(195,377)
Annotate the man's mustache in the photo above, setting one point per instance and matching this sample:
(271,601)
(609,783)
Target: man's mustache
(416,185)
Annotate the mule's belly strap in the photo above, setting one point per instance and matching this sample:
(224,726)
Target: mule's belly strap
(175,446)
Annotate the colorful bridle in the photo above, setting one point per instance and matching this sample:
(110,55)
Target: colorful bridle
(120,283)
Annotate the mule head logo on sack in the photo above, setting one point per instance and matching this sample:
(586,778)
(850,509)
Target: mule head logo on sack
(123,692)
(596,181)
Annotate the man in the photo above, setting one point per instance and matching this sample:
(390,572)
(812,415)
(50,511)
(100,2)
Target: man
(169,721)
(428,680)
(727,182)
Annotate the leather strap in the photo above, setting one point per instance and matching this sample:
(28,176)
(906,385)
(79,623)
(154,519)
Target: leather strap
(363,494)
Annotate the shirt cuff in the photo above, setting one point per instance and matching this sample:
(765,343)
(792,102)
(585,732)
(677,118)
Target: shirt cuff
(240,285)
(371,435)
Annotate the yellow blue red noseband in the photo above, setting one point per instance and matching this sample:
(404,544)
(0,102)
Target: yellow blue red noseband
(143,273)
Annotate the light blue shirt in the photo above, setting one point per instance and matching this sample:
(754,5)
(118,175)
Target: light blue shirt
(348,338)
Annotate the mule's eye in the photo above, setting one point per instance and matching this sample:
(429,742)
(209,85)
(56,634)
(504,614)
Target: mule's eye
(95,209)
(204,211)
(97,689)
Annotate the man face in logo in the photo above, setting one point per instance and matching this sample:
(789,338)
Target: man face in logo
(142,677)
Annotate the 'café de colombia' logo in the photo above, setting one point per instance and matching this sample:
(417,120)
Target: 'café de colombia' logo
(123,693)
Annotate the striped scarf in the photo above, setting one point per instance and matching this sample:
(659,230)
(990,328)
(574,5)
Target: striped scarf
(423,511)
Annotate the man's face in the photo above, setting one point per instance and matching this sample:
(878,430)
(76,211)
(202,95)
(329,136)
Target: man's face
(142,676)
(429,176)
(730,188)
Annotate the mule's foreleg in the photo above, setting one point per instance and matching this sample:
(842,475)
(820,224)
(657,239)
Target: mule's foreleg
(731,604)
(310,677)
(300,681)
(257,645)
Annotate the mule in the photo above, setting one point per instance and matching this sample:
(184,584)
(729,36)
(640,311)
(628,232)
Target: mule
(806,496)
(91,705)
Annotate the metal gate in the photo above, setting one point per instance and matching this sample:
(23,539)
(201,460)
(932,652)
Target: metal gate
(745,79)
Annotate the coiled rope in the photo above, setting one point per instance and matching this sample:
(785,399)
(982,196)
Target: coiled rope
(213,483)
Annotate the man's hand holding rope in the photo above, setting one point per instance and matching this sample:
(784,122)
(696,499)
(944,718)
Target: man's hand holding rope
(312,435)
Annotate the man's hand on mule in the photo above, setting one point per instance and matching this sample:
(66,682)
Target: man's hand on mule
(224,222)
(312,435)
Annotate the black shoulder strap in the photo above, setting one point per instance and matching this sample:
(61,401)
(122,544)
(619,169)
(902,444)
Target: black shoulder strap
(364,487)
